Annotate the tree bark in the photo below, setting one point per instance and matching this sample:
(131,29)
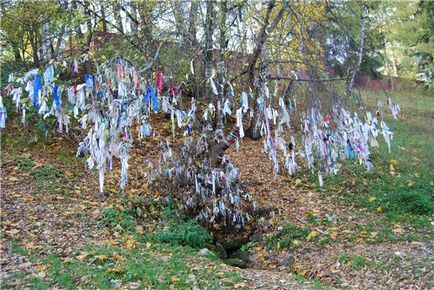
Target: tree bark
(192,29)
(260,40)
(221,64)
(209,30)
(363,21)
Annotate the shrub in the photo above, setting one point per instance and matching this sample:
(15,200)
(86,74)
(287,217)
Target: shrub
(410,201)
(188,233)
(286,236)
(48,172)
(117,219)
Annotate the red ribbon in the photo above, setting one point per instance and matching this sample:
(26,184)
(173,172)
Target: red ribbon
(159,78)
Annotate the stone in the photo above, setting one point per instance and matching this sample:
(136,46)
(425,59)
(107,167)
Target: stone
(220,251)
(240,254)
(236,263)
(234,243)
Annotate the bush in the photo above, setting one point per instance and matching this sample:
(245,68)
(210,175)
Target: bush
(48,172)
(286,236)
(188,233)
(410,201)
(117,219)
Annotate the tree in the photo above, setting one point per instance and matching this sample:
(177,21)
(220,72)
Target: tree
(115,100)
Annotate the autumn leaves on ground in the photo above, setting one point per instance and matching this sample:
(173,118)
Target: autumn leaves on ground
(361,230)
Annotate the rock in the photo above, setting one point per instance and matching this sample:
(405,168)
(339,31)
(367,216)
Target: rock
(220,251)
(234,244)
(205,251)
(253,258)
(286,260)
(236,263)
(264,210)
(240,254)
(257,237)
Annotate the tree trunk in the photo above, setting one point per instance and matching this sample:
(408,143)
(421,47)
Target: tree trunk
(363,21)
(192,29)
(33,33)
(221,64)
(17,54)
(209,29)
(46,52)
(103,16)
(260,40)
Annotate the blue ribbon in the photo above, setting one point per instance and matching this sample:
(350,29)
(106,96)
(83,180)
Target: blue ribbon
(89,81)
(57,99)
(49,74)
(155,106)
(147,96)
(3,117)
(290,106)
(230,93)
(349,150)
(36,87)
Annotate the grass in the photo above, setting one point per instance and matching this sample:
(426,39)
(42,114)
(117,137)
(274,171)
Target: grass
(158,266)
(290,236)
(400,188)
(188,233)
(357,262)
(49,178)
(170,260)
(171,228)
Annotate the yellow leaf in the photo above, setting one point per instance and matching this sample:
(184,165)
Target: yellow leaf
(129,244)
(372,198)
(115,270)
(100,258)
(117,257)
(12,232)
(297,182)
(296,242)
(312,235)
(333,233)
(393,162)
(41,268)
(82,256)
(409,183)
(140,230)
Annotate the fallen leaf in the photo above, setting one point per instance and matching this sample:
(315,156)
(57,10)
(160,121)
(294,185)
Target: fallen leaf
(82,256)
(312,235)
(115,270)
(130,243)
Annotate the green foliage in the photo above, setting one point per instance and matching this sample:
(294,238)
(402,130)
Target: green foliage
(118,219)
(357,262)
(47,173)
(186,233)
(141,266)
(409,201)
(50,178)
(248,246)
(17,249)
(285,237)
(24,164)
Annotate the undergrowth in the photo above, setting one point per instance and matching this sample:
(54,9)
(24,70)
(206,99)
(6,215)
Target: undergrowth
(289,236)
(401,184)
(172,226)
